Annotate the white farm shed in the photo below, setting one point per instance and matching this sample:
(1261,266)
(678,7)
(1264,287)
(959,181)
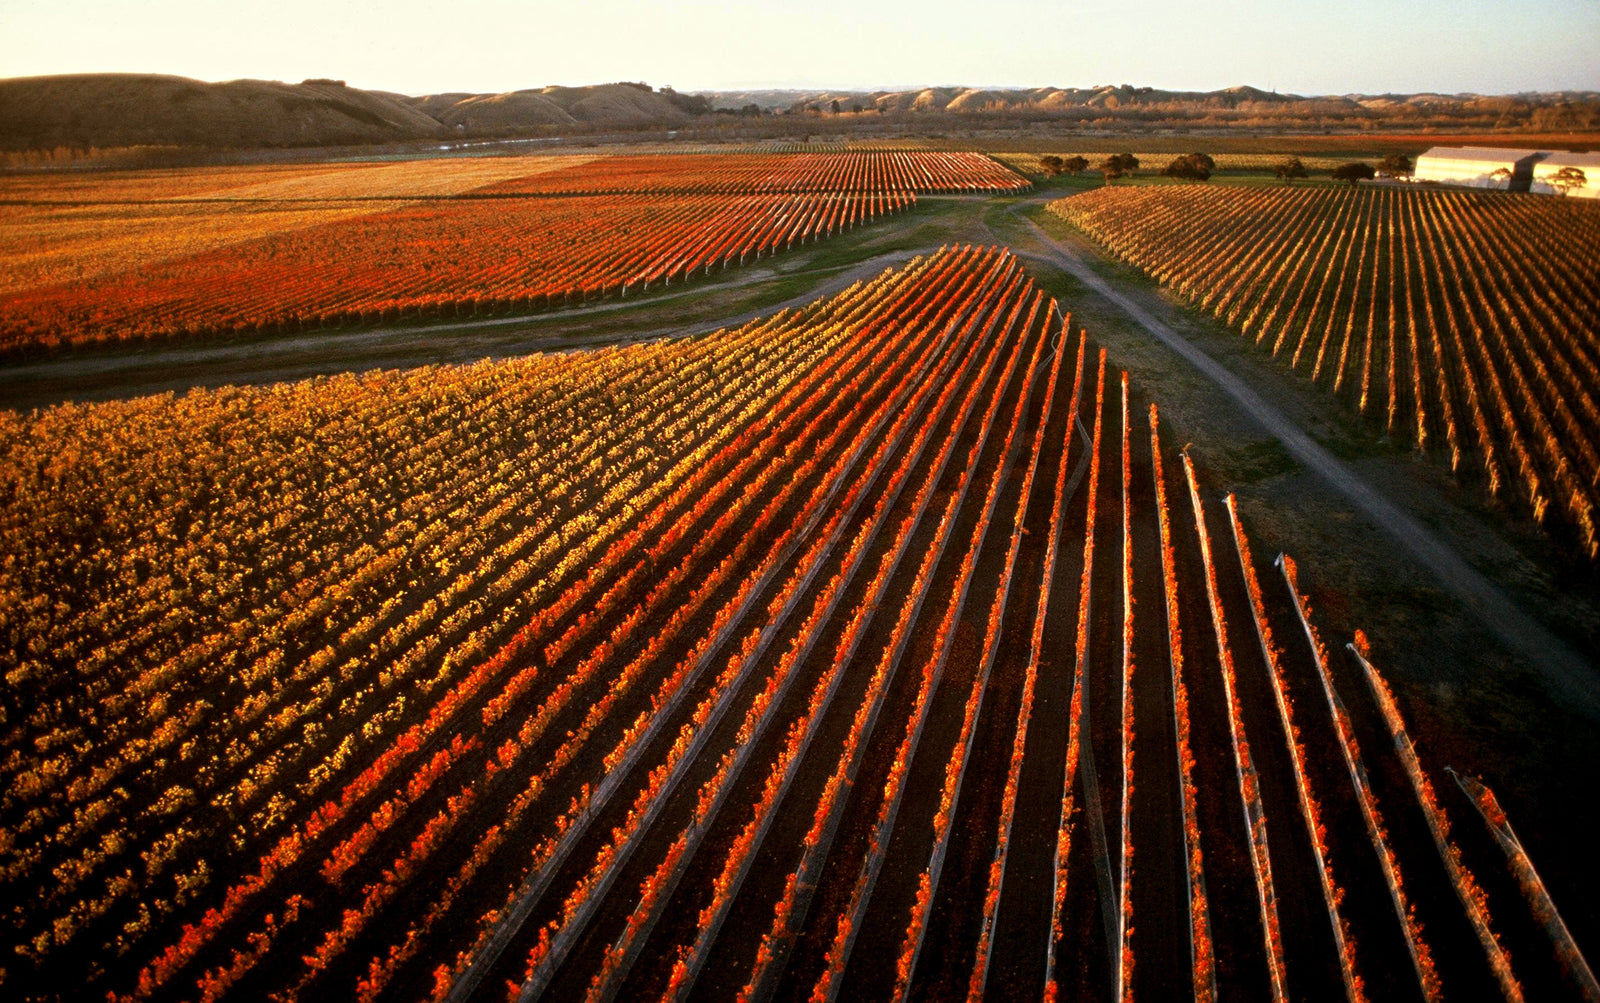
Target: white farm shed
(1477,167)
(1588,163)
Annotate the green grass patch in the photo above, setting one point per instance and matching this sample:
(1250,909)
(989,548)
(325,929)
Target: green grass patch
(1249,462)
(1058,283)
(1356,443)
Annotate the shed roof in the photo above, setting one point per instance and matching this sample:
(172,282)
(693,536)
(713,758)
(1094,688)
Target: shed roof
(1561,159)
(1477,154)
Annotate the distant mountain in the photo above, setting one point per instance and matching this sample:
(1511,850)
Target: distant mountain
(970,100)
(611,105)
(973,99)
(119,110)
(124,109)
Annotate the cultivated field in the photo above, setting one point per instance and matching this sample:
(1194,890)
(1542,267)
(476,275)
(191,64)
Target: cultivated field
(890,628)
(411,264)
(897,171)
(1465,322)
(58,228)
(1152,162)
(154,256)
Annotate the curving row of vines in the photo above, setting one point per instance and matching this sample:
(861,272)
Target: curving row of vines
(1465,322)
(811,659)
(151,256)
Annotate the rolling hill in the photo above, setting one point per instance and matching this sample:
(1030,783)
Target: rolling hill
(116,109)
(120,110)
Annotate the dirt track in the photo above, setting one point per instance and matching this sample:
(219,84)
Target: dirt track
(120,374)
(1571,677)
(129,373)
(1565,671)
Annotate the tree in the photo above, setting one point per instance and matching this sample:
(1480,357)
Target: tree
(833,106)
(1118,164)
(1075,165)
(1288,169)
(1395,164)
(1353,172)
(1052,165)
(694,104)
(1501,175)
(1192,167)
(1566,179)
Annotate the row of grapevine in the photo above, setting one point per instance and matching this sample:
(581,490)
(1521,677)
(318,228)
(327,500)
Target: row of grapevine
(212,677)
(677,687)
(956,767)
(1063,844)
(342,657)
(997,866)
(1473,900)
(409,264)
(723,667)
(793,906)
(376,180)
(1244,764)
(55,229)
(1416,946)
(1202,961)
(924,171)
(447,711)
(1310,807)
(1457,317)
(1122,984)
(946,577)
(798,739)
(745,664)
(1284,937)
(1574,965)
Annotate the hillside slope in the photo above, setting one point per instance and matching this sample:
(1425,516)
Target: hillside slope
(120,110)
(108,110)
(1233,105)
(129,109)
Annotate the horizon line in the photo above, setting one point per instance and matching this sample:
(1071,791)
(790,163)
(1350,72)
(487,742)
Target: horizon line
(834,88)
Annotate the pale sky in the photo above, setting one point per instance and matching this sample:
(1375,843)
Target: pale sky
(1307,47)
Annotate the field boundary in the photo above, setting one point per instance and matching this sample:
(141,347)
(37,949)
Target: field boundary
(1568,673)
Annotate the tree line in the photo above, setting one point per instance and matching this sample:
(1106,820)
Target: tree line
(1200,167)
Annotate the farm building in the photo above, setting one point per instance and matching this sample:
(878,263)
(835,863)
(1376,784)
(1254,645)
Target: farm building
(1478,167)
(1588,163)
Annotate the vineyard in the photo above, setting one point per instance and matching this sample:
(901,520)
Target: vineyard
(141,259)
(411,264)
(924,171)
(496,681)
(1465,322)
(55,228)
